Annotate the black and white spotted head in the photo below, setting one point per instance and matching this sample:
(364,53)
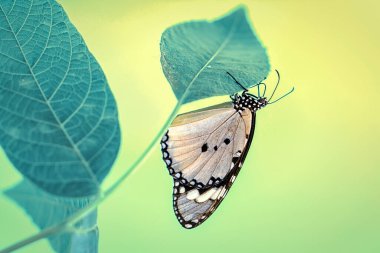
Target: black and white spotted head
(248,101)
(254,102)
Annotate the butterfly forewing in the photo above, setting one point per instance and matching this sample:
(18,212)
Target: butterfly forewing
(204,150)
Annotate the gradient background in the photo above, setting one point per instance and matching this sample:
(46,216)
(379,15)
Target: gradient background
(311,181)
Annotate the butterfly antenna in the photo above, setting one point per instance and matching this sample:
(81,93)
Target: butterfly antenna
(258,90)
(282,96)
(265,88)
(278,82)
(236,81)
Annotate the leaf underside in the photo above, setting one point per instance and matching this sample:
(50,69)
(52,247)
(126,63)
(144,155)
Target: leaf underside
(47,210)
(59,124)
(195,57)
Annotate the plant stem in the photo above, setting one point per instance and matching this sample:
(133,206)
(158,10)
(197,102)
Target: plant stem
(71,220)
(41,235)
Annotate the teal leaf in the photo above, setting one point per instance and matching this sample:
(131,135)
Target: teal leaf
(46,210)
(59,124)
(195,57)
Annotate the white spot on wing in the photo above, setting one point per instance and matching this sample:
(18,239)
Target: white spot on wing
(193,194)
(206,196)
(216,194)
(223,191)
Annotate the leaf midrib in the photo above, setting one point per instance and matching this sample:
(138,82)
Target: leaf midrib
(220,48)
(74,146)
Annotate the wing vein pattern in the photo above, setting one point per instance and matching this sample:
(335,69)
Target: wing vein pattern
(204,151)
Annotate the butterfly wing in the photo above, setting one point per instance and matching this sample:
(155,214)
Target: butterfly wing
(204,151)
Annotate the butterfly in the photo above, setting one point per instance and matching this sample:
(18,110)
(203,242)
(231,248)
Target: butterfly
(204,151)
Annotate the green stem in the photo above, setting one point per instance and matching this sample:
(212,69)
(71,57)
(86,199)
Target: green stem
(71,220)
(41,235)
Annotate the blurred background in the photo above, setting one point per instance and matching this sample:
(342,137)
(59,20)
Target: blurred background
(311,182)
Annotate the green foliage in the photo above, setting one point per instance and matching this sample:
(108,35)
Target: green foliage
(58,124)
(47,210)
(195,57)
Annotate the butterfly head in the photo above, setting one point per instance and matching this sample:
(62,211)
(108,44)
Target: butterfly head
(261,102)
(253,102)
(248,101)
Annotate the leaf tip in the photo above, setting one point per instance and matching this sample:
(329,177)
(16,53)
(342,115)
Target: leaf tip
(238,11)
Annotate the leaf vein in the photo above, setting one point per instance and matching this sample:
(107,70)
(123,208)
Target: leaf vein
(76,149)
(26,17)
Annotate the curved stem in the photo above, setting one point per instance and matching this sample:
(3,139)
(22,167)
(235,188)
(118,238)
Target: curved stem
(147,151)
(71,220)
(41,235)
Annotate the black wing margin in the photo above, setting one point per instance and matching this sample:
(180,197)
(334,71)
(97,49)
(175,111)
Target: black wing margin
(193,205)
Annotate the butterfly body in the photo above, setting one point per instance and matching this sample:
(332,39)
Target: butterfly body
(204,151)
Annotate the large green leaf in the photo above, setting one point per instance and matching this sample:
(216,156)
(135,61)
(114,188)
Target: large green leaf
(58,118)
(195,56)
(46,210)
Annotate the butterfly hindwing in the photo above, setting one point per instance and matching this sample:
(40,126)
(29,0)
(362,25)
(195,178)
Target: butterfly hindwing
(193,206)
(204,151)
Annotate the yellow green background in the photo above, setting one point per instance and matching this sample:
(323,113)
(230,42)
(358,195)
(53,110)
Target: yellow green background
(311,182)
